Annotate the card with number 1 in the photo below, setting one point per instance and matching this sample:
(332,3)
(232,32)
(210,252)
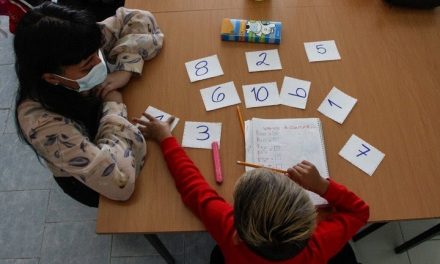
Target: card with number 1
(203,68)
(337,105)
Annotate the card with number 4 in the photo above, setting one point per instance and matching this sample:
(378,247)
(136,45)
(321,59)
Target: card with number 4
(201,134)
(265,60)
(159,114)
(203,68)
(337,105)
(362,155)
(322,51)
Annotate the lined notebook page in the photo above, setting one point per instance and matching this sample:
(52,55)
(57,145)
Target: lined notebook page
(281,143)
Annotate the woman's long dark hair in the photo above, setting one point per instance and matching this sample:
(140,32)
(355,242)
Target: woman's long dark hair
(47,38)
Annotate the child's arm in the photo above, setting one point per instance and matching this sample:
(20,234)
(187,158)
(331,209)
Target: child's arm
(351,212)
(204,202)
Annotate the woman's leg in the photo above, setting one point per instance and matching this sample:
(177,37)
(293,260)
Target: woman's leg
(78,191)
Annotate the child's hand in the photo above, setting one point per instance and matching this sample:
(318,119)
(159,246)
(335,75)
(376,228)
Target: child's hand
(306,175)
(114,81)
(155,129)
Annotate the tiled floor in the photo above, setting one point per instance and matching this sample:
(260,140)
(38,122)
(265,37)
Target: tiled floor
(39,224)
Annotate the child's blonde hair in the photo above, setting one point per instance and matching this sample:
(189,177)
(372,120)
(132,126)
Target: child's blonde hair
(274,216)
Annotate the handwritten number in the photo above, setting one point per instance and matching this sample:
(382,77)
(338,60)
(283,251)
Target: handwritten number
(160,117)
(220,97)
(320,48)
(333,103)
(259,63)
(303,94)
(257,94)
(205,131)
(201,68)
(367,149)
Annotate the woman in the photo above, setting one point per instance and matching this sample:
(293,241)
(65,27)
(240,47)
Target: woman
(69,109)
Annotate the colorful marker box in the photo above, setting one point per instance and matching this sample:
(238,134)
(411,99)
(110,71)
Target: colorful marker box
(251,31)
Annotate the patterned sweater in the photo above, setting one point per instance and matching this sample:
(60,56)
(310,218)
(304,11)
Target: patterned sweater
(111,162)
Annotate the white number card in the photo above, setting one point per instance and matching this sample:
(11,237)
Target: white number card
(203,68)
(261,94)
(201,134)
(161,115)
(337,105)
(295,92)
(322,51)
(362,155)
(220,96)
(265,60)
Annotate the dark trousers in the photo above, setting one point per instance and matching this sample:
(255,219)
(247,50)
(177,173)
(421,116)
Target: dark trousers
(78,191)
(345,256)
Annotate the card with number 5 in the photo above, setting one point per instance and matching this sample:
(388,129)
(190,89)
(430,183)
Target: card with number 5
(322,51)
(201,134)
(204,68)
(337,105)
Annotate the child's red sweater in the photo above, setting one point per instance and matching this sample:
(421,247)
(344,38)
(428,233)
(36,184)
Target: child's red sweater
(330,235)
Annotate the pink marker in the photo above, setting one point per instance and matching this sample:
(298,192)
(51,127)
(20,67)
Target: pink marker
(217,163)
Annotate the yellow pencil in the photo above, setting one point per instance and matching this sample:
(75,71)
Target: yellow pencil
(253,165)
(240,117)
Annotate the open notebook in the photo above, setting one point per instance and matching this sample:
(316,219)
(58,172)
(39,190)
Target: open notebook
(282,143)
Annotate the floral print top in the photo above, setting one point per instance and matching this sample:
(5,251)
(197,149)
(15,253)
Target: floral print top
(110,163)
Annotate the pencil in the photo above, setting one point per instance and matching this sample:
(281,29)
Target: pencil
(240,118)
(253,165)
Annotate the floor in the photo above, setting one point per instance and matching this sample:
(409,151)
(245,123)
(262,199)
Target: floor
(39,224)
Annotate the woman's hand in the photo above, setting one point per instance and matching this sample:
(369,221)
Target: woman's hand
(306,175)
(155,129)
(114,81)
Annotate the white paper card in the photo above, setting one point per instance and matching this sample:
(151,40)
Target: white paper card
(264,60)
(362,155)
(295,92)
(204,68)
(337,105)
(201,134)
(261,94)
(161,115)
(322,51)
(220,96)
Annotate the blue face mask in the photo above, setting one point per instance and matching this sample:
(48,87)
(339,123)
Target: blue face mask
(96,76)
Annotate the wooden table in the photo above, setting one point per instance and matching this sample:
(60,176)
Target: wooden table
(390,63)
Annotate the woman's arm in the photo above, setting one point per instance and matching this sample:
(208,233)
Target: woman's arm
(131,36)
(108,165)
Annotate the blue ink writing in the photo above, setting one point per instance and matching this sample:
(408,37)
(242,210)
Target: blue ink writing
(201,69)
(259,63)
(302,95)
(220,96)
(321,49)
(205,131)
(257,94)
(367,149)
(160,117)
(333,103)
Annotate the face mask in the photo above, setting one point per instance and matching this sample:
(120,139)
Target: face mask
(96,76)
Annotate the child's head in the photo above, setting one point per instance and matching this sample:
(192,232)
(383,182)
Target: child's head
(274,216)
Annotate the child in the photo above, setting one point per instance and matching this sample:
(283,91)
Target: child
(273,219)
(68,107)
